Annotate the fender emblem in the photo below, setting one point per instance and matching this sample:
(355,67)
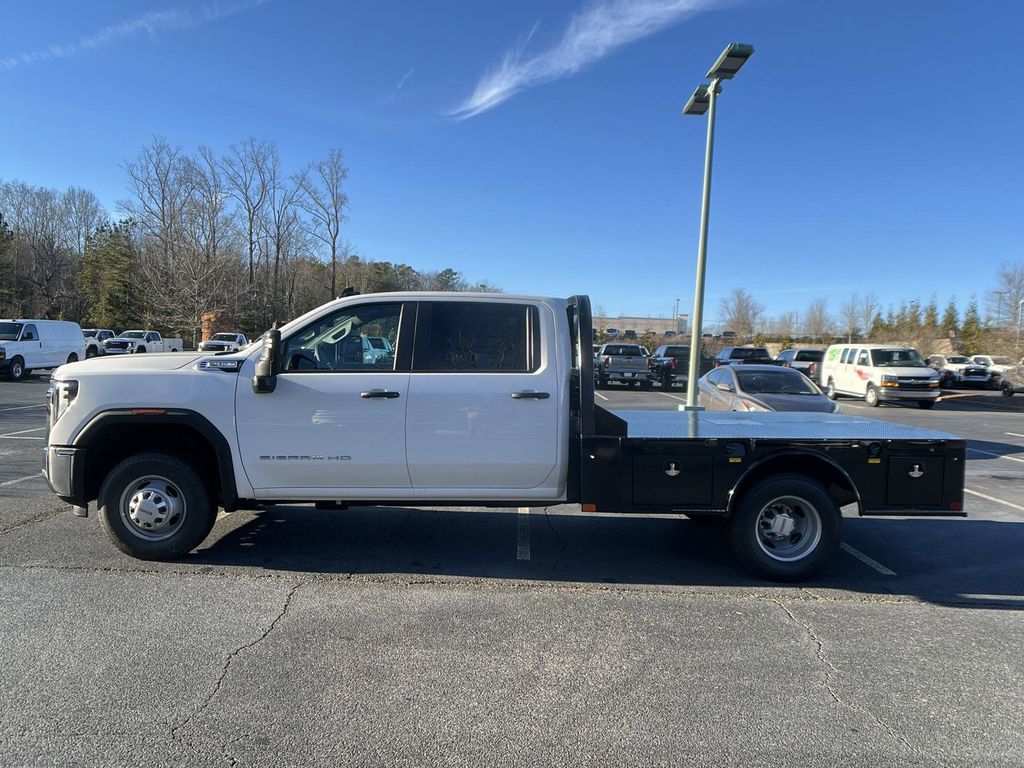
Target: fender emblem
(916,471)
(673,469)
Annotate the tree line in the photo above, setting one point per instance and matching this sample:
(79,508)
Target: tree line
(236,234)
(862,318)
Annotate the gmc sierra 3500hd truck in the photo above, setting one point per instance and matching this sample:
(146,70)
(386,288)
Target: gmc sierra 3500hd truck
(486,400)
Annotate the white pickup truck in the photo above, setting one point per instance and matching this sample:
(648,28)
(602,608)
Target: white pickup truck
(224,342)
(485,400)
(130,342)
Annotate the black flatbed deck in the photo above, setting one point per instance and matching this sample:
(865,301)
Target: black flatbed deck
(803,427)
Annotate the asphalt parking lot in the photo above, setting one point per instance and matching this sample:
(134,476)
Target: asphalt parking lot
(379,636)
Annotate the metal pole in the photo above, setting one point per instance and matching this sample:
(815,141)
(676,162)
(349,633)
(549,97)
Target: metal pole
(702,257)
(1020,305)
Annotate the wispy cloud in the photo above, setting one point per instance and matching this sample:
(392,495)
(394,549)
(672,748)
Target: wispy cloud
(396,89)
(150,24)
(594,32)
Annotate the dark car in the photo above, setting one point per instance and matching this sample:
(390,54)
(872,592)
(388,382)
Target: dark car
(807,361)
(743,355)
(761,388)
(670,364)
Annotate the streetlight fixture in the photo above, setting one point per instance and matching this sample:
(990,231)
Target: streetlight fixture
(703,100)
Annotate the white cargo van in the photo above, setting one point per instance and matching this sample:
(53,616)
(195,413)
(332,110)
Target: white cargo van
(879,372)
(26,345)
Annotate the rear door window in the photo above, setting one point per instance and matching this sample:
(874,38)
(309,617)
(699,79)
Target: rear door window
(477,337)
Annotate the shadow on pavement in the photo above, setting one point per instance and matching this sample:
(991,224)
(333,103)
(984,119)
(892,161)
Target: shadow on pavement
(958,562)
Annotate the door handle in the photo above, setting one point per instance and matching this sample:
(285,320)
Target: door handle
(530,395)
(382,393)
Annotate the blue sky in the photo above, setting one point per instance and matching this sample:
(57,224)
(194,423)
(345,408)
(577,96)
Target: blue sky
(867,146)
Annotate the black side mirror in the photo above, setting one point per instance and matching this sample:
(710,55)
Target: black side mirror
(269,364)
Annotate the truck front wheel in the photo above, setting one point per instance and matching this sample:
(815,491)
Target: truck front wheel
(154,506)
(785,528)
(17,370)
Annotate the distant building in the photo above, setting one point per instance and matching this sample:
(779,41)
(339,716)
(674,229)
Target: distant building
(658,325)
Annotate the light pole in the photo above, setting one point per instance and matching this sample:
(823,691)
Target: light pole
(675,315)
(1016,354)
(703,100)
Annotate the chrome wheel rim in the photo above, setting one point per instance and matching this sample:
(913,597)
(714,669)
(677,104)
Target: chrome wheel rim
(788,528)
(17,370)
(152,508)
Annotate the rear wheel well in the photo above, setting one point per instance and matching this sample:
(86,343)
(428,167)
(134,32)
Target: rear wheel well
(113,443)
(810,465)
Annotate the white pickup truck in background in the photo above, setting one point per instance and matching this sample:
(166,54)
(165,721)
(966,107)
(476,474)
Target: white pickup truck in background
(224,342)
(140,341)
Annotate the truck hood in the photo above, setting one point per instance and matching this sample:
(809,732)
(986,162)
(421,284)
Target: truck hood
(150,361)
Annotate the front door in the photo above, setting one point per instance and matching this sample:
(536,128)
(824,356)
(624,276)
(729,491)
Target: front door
(483,399)
(32,349)
(336,420)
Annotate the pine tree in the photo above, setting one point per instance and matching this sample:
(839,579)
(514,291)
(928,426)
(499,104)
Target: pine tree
(950,319)
(931,315)
(108,277)
(972,332)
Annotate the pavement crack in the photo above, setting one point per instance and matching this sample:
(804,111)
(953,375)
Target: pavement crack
(228,661)
(36,518)
(832,672)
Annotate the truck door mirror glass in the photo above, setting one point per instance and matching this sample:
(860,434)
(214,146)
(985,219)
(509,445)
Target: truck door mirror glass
(724,386)
(269,364)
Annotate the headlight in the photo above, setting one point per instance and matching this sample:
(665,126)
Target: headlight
(60,395)
(3,353)
(888,380)
(752,406)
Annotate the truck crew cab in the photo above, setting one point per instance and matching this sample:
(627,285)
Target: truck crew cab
(486,400)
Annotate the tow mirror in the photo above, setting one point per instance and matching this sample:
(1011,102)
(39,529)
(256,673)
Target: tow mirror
(269,364)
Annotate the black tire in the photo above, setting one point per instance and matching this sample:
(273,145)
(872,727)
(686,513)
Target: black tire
(17,371)
(830,390)
(1007,389)
(90,353)
(602,383)
(926,404)
(646,386)
(871,396)
(751,541)
(631,384)
(197,516)
(666,381)
(72,358)
(140,350)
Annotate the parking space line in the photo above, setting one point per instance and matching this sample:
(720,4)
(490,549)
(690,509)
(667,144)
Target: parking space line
(21,437)
(23,407)
(995,455)
(985,496)
(674,397)
(523,534)
(867,560)
(598,394)
(1015,434)
(23,431)
(20,479)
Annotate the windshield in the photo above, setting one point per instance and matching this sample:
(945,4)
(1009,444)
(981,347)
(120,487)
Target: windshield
(898,358)
(784,381)
(748,353)
(1000,360)
(88,331)
(133,335)
(9,331)
(677,352)
(623,350)
(223,337)
(957,359)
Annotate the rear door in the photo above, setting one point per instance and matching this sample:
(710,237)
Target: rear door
(483,409)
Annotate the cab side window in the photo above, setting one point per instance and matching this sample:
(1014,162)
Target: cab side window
(30,333)
(477,337)
(338,342)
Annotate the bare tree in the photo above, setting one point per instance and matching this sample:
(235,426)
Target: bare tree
(869,307)
(280,222)
(1004,301)
(323,198)
(817,322)
(245,170)
(849,316)
(741,312)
